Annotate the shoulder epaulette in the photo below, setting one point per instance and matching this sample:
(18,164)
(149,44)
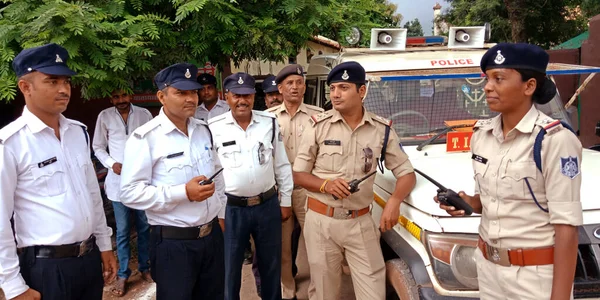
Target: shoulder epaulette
(141,131)
(381,120)
(264,114)
(315,119)
(77,123)
(315,108)
(274,108)
(9,130)
(216,119)
(550,125)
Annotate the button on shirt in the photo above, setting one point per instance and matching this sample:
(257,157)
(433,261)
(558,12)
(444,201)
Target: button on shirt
(252,163)
(292,128)
(111,133)
(510,217)
(330,150)
(220,108)
(51,187)
(159,161)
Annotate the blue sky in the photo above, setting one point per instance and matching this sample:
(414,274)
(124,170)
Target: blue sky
(420,9)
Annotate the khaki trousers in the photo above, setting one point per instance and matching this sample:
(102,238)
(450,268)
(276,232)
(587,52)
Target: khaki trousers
(288,283)
(328,240)
(514,282)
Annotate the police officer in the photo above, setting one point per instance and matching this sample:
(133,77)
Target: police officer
(113,127)
(343,144)
(272,95)
(210,104)
(294,119)
(251,149)
(48,183)
(529,217)
(165,161)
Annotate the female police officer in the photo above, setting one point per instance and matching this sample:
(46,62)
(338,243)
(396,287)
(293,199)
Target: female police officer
(528,234)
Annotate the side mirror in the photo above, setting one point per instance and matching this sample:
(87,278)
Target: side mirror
(598,129)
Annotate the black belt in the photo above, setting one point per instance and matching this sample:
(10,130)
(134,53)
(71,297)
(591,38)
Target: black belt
(62,251)
(185,233)
(251,201)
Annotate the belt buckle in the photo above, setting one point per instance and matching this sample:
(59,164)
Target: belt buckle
(252,201)
(84,248)
(204,230)
(498,256)
(342,214)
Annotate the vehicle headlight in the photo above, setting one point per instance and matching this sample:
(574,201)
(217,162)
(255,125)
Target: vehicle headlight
(453,258)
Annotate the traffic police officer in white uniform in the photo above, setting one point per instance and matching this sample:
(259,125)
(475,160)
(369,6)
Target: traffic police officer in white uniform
(113,127)
(165,161)
(48,183)
(529,217)
(252,152)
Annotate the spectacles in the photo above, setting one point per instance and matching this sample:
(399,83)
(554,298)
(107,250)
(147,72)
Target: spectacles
(261,153)
(368,154)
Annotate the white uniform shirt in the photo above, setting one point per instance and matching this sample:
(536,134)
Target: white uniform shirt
(204,114)
(112,133)
(159,161)
(51,187)
(251,169)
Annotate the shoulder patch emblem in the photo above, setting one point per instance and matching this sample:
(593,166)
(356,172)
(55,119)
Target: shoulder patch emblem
(569,167)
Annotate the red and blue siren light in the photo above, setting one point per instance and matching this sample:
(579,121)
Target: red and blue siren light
(425,40)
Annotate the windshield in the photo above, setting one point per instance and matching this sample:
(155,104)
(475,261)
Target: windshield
(417,107)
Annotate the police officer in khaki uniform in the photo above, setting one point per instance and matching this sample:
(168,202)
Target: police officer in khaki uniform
(528,231)
(344,144)
(294,118)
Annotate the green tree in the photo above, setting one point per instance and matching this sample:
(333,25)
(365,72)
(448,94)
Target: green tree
(545,23)
(341,15)
(414,28)
(112,42)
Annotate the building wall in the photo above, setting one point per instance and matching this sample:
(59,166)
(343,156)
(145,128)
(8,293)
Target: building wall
(257,68)
(590,104)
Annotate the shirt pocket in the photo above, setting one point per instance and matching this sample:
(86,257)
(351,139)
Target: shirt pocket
(83,165)
(367,157)
(516,177)
(231,156)
(330,158)
(262,153)
(178,168)
(49,180)
(481,177)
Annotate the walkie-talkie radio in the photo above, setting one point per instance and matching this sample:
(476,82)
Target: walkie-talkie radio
(355,182)
(210,180)
(449,197)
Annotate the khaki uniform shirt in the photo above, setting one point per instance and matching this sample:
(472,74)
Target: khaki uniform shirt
(330,149)
(292,128)
(510,217)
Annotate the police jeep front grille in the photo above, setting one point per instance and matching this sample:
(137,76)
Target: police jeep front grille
(587,274)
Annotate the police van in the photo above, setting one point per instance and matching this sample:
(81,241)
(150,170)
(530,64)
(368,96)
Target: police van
(431,93)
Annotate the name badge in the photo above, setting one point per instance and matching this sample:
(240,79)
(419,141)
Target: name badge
(333,143)
(479,159)
(47,162)
(172,155)
(230,143)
